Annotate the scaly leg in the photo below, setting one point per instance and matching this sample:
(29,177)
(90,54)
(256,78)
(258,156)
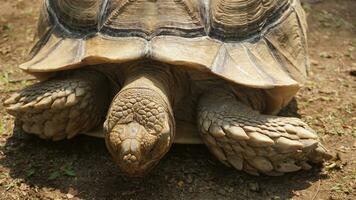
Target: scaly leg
(62,107)
(247,140)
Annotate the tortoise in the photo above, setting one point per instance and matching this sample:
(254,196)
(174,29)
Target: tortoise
(144,74)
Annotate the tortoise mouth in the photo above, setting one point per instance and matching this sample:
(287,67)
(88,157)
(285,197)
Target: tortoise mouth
(134,150)
(137,168)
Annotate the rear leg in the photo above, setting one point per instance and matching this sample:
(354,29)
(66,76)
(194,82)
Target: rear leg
(62,107)
(247,140)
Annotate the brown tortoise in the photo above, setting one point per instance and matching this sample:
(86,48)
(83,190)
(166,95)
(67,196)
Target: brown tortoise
(216,71)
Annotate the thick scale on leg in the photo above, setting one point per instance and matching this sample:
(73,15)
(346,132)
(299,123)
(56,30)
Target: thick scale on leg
(62,107)
(241,137)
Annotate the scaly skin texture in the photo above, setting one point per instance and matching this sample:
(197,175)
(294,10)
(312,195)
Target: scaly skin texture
(139,129)
(62,107)
(247,140)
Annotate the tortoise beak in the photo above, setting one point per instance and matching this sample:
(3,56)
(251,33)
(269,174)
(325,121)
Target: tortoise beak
(135,150)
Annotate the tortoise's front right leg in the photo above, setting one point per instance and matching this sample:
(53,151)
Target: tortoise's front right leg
(247,140)
(63,106)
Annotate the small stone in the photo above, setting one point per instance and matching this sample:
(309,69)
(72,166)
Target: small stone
(254,187)
(314,62)
(222,192)
(180,184)
(325,55)
(276,198)
(230,189)
(189,179)
(352,72)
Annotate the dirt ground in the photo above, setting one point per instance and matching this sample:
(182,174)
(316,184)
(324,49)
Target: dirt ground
(81,168)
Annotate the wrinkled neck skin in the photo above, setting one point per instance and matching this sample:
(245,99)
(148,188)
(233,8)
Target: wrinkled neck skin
(145,74)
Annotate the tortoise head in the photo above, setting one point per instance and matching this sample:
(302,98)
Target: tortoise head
(135,150)
(140,123)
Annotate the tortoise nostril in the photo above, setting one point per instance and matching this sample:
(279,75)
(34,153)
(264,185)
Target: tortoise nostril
(130,151)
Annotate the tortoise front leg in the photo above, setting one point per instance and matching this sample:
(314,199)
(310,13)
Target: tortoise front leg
(62,107)
(140,124)
(247,140)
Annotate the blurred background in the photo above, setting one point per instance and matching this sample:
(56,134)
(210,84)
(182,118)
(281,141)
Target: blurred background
(81,168)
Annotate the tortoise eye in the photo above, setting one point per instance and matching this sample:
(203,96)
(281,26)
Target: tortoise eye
(239,19)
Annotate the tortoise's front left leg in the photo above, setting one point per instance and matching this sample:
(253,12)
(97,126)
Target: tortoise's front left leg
(247,140)
(62,107)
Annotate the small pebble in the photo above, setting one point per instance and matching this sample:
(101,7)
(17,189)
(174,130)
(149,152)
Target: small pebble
(180,184)
(222,191)
(353,72)
(230,189)
(189,179)
(254,187)
(325,55)
(314,62)
(276,198)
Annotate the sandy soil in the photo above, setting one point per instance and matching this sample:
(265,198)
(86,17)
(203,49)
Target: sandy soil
(81,168)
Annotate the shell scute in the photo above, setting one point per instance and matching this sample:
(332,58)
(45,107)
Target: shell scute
(243,18)
(150,18)
(82,15)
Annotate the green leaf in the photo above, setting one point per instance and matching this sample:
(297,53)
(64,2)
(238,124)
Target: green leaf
(6,27)
(54,175)
(69,172)
(30,172)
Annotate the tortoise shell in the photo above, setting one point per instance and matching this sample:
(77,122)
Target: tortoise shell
(254,43)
